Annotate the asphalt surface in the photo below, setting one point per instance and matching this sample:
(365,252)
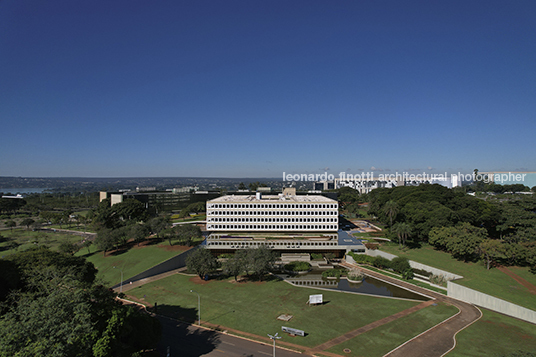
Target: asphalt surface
(187,340)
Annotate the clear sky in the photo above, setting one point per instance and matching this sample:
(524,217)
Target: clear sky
(257,88)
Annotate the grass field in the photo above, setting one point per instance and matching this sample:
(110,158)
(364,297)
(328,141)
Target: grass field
(26,239)
(495,335)
(254,306)
(132,261)
(492,282)
(385,338)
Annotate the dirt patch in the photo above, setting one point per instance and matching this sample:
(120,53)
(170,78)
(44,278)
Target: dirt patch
(198,280)
(141,301)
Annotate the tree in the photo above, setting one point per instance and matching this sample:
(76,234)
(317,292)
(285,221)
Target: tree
(53,319)
(438,238)
(159,224)
(391,210)
(27,222)
(202,262)
(462,240)
(241,186)
(105,240)
(400,264)
(68,248)
(10,224)
(234,265)
(262,260)
(139,232)
(186,233)
(193,207)
(87,244)
(491,250)
(403,231)
(54,309)
(130,210)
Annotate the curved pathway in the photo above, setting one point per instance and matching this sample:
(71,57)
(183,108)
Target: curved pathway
(440,339)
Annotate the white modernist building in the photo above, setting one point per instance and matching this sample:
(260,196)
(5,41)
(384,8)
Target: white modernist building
(272,213)
(288,223)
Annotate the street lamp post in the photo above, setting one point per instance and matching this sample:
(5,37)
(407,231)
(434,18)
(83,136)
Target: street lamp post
(121,286)
(198,306)
(274,337)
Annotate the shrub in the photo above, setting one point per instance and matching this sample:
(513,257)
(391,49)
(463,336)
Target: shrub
(407,274)
(297,266)
(438,280)
(356,275)
(400,264)
(362,258)
(332,273)
(381,262)
(316,256)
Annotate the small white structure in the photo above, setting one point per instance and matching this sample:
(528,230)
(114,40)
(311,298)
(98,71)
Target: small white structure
(315,299)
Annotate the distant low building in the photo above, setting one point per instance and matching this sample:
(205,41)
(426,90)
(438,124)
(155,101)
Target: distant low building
(161,200)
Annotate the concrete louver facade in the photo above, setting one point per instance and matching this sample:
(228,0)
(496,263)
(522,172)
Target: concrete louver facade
(272,213)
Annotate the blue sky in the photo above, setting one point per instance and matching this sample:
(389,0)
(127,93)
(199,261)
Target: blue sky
(258,88)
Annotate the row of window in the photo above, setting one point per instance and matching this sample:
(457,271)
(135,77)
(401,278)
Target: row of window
(226,235)
(269,205)
(272,213)
(273,244)
(290,220)
(272,226)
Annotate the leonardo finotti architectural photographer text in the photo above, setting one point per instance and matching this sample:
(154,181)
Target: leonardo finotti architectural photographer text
(406,176)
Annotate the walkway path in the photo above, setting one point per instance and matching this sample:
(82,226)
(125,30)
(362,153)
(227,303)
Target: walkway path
(519,279)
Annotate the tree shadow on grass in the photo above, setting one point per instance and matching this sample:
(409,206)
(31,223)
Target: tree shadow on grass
(118,251)
(184,339)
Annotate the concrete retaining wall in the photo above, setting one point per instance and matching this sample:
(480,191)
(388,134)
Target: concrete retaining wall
(435,271)
(466,294)
(415,265)
(379,253)
(489,302)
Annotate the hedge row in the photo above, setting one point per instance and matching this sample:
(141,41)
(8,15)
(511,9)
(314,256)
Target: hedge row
(399,264)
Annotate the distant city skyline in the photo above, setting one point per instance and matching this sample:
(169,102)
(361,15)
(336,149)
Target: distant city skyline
(255,89)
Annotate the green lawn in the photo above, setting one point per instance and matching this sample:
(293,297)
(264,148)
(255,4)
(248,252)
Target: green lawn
(495,335)
(492,282)
(383,339)
(254,306)
(27,239)
(132,261)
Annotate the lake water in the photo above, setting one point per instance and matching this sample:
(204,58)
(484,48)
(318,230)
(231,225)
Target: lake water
(23,190)
(369,286)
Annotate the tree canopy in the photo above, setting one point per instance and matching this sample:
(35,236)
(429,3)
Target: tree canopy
(53,307)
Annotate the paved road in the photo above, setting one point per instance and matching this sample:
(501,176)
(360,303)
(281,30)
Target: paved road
(187,340)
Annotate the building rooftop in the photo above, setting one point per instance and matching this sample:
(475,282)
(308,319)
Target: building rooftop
(273,198)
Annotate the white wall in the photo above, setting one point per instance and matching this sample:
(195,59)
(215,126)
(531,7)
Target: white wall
(415,265)
(490,302)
